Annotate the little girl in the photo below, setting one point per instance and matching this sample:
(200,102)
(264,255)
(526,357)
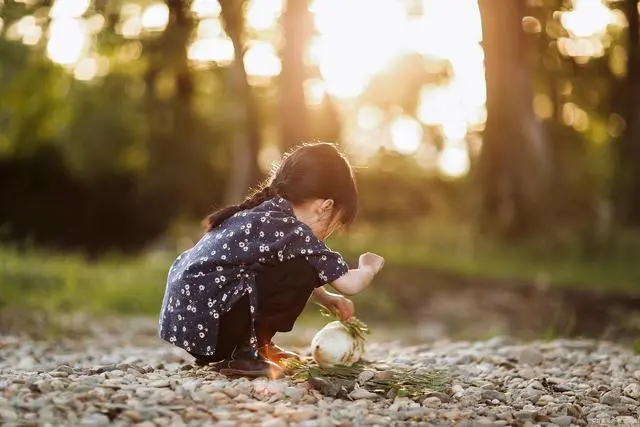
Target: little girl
(252,273)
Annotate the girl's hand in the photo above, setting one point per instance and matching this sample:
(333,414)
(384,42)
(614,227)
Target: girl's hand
(372,261)
(342,305)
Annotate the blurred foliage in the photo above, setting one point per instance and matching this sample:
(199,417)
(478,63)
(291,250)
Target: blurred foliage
(113,163)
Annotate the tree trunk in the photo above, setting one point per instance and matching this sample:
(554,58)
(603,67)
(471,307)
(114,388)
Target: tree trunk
(245,172)
(627,180)
(294,121)
(513,165)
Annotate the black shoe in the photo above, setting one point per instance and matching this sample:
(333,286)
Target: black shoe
(247,362)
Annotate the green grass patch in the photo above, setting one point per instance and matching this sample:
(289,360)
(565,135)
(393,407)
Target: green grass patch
(70,283)
(56,282)
(443,247)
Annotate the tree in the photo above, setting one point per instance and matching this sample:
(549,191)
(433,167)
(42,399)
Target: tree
(245,172)
(294,120)
(513,169)
(627,180)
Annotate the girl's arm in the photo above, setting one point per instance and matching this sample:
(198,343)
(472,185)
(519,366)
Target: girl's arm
(357,280)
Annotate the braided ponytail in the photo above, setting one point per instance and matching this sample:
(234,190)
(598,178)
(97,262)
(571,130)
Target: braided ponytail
(267,192)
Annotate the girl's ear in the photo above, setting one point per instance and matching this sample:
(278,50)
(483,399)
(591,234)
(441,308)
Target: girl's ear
(327,205)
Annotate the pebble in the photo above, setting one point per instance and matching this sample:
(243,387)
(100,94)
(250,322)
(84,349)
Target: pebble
(361,393)
(295,393)
(276,422)
(563,420)
(525,415)
(432,402)
(610,398)
(530,356)
(100,381)
(493,395)
(632,390)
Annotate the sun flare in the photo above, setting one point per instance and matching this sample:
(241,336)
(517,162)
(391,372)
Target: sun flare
(347,52)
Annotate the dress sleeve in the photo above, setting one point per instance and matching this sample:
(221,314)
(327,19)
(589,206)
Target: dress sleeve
(299,241)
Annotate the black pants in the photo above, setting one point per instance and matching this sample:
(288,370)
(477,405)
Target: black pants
(283,292)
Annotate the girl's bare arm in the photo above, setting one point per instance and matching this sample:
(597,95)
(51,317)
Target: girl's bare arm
(359,279)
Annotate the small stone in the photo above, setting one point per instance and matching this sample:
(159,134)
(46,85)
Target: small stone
(332,387)
(133,415)
(377,420)
(294,393)
(527,373)
(361,393)
(636,375)
(533,395)
(105,368)
(625,400)
(562,387)
(626,420)
(493,395)
(632,390)
(231,392)
(159,383)
(26,364)
(44,386)
(365,376)
(444,397)
(302,415)
(432,402)
(530,356)
(457,390)
(145,424)
(610,398)
(7,415)
(525,415)
(275,422)
(95,420)
(563,420)
(64,368)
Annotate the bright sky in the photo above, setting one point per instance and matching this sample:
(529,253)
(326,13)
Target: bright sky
(348,52)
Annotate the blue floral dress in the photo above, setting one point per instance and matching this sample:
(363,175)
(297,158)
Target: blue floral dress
(207,280)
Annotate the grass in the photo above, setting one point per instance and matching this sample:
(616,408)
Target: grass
(65,283)
(442,247)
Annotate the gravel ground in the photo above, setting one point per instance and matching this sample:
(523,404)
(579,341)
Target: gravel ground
(122,375)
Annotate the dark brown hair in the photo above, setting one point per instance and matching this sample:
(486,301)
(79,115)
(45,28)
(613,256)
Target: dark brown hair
(311,171)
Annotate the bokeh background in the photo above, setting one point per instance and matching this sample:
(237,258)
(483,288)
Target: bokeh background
(497,148)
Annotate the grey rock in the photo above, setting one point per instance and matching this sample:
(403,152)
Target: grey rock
(95,420)
(610,398)
(632,390)
(8,415)
(105,368)
(563,420)
(375,419)
(530,356)
(527,373)
(432,402)
(159,383)
(276,422)
(525,415)
(332,387)
(64,368)
(532,395)
(628,401)
(493,395)
(294,393)
(444,397)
